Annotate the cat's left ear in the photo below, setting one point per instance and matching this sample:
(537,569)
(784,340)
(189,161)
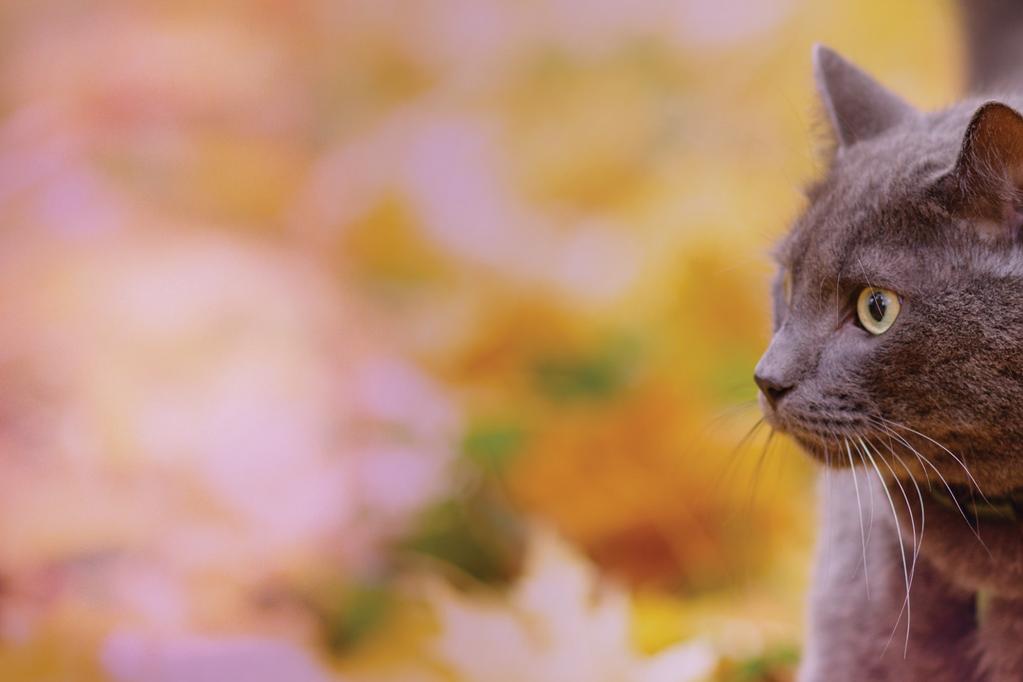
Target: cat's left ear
(987,179)
(858,107)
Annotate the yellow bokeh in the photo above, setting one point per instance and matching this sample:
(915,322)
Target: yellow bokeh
(386,340)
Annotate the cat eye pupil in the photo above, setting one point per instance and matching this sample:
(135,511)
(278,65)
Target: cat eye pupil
(877,306)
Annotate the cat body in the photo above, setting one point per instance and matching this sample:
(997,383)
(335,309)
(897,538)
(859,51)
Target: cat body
(858,623)
(897,362)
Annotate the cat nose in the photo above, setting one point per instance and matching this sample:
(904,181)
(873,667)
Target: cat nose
(773,389)
(781,366)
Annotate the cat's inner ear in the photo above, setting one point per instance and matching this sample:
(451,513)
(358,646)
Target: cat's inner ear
(987,179)
(858,107)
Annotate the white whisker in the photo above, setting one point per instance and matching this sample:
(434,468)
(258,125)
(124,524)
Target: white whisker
(902,553)
(950,453)
(919,495)
(905,498)
(955,500)
(859,507)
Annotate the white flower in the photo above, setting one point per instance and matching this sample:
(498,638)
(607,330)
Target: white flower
(557,625)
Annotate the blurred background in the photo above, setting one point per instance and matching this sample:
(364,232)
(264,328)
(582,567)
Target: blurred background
(407,340)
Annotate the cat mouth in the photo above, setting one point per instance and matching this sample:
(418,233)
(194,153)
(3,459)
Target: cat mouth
(828,440)
(829,434)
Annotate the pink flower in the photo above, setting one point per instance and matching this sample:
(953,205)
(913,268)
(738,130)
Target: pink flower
(193,417)
(129,657)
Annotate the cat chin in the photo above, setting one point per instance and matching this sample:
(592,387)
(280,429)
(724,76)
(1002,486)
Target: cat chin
(818,453)
(817,450)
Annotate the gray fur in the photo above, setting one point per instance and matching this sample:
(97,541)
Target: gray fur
(858,107)
(927,205)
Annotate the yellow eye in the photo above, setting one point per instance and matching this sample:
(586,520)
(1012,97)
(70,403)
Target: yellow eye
(877,309)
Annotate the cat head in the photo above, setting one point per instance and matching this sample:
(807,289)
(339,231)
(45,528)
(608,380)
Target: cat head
(898,323)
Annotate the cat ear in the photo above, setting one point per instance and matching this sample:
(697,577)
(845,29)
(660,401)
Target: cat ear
(858,106)
(987,179)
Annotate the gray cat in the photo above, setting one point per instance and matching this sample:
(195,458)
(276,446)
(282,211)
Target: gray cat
(897,360)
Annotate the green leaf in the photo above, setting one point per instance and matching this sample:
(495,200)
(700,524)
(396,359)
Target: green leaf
(594,376)
(479,535)
(493,445)
(356,612)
